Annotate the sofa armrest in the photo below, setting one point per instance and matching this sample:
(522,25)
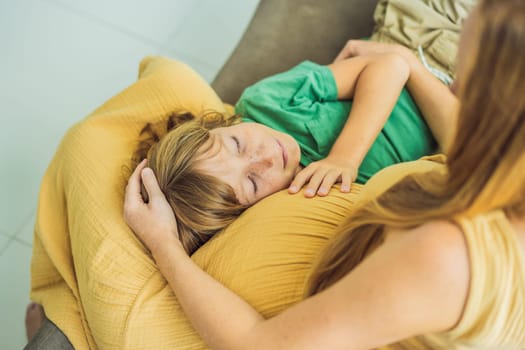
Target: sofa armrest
(49,337)
(283,33)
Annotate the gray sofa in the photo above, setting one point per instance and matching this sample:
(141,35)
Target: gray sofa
(284,33)
(281,34)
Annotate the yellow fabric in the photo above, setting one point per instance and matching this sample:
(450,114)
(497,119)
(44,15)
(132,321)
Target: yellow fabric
(87,269)
(95,279)
(494,316)
(433,24)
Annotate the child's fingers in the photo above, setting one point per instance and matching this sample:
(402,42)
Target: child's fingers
(315,181)
(328,181)
(346,181)
(300,179)
(320,179)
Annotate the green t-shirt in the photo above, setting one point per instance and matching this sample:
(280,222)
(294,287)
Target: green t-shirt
(302,102)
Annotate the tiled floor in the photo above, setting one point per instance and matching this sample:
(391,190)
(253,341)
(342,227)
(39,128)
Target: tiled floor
(63,58)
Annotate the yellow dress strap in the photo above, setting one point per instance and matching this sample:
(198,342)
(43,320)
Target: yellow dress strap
(494,315)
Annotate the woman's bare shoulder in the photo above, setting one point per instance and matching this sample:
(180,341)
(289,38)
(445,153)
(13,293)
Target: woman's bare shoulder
(423,268)
(438,236)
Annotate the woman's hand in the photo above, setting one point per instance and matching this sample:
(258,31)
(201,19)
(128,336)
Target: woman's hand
(354,48)
(154,222)
(323,174)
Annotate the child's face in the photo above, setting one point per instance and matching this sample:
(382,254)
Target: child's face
(253,159)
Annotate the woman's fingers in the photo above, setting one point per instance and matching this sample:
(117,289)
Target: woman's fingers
(154,222)
(132,199)
(150,184)
(133,186)
(132,195)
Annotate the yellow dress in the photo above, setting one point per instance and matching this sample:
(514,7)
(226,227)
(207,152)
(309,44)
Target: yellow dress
(494,315)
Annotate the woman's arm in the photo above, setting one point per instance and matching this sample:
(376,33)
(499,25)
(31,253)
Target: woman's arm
(415,283)
(374,82)
(435,100)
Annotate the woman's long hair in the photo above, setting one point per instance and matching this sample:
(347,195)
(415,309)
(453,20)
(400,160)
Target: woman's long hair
(202,204)
(486,165)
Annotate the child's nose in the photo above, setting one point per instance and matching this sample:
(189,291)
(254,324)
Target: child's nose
(260,164)
(261,159)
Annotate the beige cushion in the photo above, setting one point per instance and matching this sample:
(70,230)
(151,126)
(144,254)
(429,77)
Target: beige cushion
(433,24)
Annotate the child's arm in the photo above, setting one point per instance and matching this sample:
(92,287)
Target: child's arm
(374,82)
(437,103)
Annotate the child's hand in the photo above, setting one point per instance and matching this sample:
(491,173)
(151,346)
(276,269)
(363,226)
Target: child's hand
(354,48)
(322,175)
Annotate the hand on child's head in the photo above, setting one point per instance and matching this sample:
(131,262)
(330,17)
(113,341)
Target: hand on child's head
(153,222)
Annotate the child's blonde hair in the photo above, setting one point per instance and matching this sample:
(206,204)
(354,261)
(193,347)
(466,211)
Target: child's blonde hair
(202,204)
